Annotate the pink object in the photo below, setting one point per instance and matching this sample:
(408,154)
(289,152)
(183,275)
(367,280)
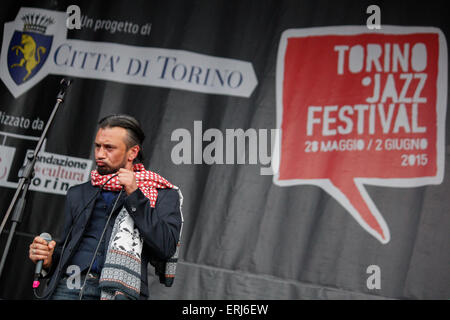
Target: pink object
(36,284)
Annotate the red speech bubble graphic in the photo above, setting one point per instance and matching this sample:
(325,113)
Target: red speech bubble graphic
(359,107)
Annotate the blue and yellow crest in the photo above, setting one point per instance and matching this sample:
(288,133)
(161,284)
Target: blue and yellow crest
(29,49)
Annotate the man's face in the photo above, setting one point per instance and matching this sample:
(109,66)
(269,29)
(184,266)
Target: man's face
(111,152)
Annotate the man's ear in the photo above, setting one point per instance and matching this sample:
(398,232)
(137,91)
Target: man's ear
(133,153)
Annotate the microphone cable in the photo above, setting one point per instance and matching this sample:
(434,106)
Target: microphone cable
(72,226)
(98,245)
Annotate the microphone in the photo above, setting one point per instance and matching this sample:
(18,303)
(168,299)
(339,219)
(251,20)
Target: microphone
(64,84)
(37,271)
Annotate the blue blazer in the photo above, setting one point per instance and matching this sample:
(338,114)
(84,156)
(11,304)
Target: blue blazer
(159,226)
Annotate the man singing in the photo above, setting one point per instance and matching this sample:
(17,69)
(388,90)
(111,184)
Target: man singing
(137,211)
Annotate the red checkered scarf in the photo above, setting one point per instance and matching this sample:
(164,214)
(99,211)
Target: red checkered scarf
(147,181)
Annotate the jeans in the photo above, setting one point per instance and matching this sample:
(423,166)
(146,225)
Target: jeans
(67,291)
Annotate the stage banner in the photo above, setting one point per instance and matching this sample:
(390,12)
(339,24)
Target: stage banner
(309,138)
(35,45)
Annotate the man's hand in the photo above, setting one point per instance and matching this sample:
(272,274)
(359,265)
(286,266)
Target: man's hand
(128,180)
(41,250)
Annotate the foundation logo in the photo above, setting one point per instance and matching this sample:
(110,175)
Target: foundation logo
(358,107)
(28,50)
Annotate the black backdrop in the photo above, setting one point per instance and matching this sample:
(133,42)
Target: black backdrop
(244,237)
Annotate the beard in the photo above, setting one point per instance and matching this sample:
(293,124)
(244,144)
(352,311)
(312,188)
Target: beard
(104,170)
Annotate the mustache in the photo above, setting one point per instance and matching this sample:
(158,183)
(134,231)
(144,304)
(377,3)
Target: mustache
(106,169)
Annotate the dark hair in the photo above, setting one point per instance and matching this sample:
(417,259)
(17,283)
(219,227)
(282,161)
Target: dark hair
(135,134)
